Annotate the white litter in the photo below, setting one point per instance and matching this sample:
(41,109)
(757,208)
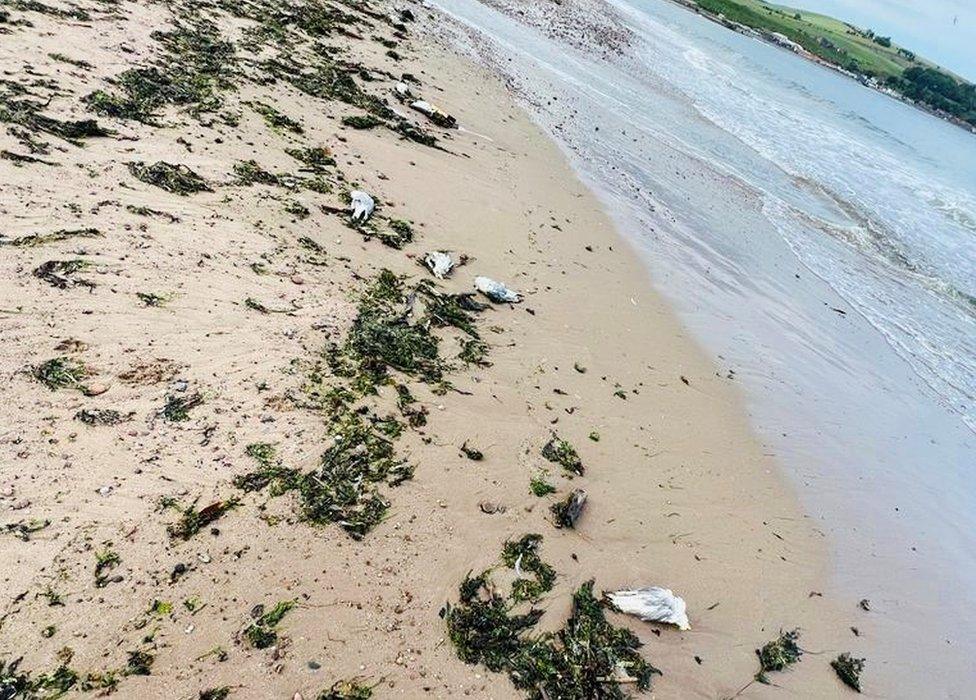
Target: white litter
(496,291)
(362,205)
(402,90)
(439,263)
(653,605)
(435,114)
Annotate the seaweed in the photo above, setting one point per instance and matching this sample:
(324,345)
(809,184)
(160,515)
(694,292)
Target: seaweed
(192,520)
(60,274)
(61,373)
(778,654)
(275,119)
(559,451)
(178,408)
(849,670)
(139,663)
(523,555)
(105,560)
(219,693)
(474,352)
(27,114)
(566,512)
(101,416)
(271,472)
(14,683)
(196,65)
(587,658)
(361,121)
(153,299)
(406,403)
(346,690)
(23,529)
(261,633)
(315,158)
(177,179)
(540,487)
(37,239)
(471,453)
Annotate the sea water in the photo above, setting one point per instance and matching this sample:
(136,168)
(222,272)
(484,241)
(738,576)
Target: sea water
(819,238)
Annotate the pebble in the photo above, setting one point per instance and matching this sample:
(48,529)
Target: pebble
(96,389)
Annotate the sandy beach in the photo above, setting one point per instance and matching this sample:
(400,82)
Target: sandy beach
(245,284)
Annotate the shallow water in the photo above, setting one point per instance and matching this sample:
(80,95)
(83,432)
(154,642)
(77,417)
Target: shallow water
(820,239)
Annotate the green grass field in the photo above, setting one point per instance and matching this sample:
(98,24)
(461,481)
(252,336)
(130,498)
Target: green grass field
(829,38)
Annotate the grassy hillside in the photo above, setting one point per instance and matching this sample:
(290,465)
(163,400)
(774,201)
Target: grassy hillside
(858,50)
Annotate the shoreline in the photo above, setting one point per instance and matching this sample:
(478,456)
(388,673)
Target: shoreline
(681,493)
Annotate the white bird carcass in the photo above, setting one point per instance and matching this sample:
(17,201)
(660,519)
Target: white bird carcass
(362,205)
(652,605)
(435,114)
(496,291)
(439,264)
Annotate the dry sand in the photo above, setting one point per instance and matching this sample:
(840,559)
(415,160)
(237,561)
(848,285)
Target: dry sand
(680,492)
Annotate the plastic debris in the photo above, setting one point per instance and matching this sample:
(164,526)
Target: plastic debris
(435,114)
(652,604)
(362,205)
(496,291)
(439,263)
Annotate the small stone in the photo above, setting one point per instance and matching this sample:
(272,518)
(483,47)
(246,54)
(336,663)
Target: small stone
(96,389)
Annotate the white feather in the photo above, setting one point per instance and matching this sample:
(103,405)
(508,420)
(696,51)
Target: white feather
(653,605)
(496,291)
(362,205)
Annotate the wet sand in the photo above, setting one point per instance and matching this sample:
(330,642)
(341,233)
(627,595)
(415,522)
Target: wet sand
(681,494)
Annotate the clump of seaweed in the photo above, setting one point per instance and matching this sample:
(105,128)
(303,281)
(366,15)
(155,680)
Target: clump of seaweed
(540,487)
(218,693)
(139,663)
(37,239)
(61,274)
(849,670)
(195,66)
(178,179)
(22,530)
(346,690)
(61,373)
(587,658)
(474,352)
(275,119)
(270,471)
(315,158)
(105,561)
(566,512)
(192,520)
(26,113)
(361,121)
(153,299)
(778,655)
(261,633)
(177,408)
(523,556)
(559,451)
(101,416)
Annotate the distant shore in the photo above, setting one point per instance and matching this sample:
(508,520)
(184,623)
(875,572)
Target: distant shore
(783,43)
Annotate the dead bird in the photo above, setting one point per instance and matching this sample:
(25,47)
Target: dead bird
(653,604)
(496,291)
(435,114)
(362,205)
(439,263)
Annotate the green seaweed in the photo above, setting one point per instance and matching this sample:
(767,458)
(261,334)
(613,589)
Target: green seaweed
(261,633)
(105,560)
(523,555)
(38,239)
(778,654)
(61,274)
(178,179)
(361,121)
(61,373)
(346,690)
(275,119)
(849,670)
(192,520)
(177,408)
(559,451)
